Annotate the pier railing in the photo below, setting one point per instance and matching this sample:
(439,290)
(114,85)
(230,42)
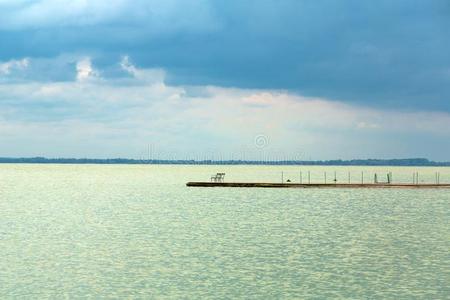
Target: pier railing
(362,177)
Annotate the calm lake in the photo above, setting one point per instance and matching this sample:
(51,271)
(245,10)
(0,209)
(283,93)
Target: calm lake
(118,231)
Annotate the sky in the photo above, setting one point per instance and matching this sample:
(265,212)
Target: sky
(216,79)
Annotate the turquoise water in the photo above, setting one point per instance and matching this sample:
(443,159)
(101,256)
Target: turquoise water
(88,231)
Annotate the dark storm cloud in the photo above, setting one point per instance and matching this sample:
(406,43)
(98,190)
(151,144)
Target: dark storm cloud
(380,53)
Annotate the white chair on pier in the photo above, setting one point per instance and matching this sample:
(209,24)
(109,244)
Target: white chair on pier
(219,177)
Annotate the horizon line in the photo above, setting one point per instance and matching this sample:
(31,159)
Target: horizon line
(333,162)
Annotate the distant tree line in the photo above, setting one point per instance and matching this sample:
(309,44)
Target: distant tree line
(354,162)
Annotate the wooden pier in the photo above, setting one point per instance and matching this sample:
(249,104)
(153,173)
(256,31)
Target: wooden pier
(315,185)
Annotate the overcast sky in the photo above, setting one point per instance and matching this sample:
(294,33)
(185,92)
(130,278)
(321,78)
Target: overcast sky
(302,79)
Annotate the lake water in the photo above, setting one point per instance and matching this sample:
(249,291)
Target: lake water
(118,231)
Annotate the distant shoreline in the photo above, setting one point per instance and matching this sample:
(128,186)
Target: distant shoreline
(413,162)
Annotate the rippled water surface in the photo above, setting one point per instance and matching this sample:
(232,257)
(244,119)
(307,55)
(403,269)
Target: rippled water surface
(137,231)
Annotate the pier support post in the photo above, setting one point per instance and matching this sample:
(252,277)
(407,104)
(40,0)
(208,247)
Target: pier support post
(438,178)
(416,178)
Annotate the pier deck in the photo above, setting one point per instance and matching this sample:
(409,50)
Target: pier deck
(314,185)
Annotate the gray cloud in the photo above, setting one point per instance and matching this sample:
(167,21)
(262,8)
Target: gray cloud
(119,116)
(381,53)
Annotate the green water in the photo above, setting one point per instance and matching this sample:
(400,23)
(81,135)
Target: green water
(74,231)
